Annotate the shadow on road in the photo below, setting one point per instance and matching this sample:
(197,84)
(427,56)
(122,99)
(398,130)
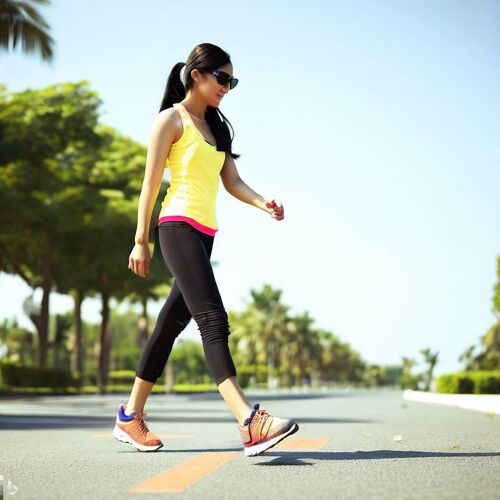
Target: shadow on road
(20,422)
(298,458)
(301,457)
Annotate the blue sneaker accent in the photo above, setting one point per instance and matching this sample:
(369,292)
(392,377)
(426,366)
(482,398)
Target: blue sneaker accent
(248,419)
(122,416)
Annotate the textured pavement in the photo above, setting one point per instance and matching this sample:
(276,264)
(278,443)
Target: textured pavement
(352,444)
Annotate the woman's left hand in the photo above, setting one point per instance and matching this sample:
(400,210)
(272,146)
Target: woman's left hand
(275,208)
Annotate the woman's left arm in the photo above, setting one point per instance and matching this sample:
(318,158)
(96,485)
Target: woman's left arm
(235,185)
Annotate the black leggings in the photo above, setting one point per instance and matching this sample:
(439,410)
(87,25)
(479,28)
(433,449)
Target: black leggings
(194,294)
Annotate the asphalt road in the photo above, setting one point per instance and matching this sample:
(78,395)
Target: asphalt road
(352,444)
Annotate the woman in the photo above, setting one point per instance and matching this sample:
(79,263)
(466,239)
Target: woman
(192,136)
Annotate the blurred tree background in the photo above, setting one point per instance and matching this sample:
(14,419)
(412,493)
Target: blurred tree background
(69,188)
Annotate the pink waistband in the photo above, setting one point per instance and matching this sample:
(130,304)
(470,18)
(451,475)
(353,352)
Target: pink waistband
(189,220)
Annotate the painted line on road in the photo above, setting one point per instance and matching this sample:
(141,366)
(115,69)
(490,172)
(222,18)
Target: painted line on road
(180,477)
(183,475)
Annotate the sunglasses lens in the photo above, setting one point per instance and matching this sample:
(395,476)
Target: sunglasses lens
(224,78)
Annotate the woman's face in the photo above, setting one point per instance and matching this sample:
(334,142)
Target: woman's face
(213,92)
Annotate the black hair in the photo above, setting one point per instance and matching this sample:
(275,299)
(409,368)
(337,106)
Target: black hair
(205,56)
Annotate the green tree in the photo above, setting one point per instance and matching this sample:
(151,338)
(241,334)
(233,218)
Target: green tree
(18,341)
(269,327)
(496,292)
(431,360)
(487,356)
(265,334)
(73,185)
(38,128)
(408,380)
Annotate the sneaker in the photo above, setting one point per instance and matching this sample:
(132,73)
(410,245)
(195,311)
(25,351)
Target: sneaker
(262,431)
(132,429)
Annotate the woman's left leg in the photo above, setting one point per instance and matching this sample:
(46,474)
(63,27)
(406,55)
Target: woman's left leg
(172,320)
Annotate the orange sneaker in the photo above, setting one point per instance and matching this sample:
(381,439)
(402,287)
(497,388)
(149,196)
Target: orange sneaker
(263,431)
(132,429)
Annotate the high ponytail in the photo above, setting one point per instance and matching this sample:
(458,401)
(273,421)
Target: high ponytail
(175,90)
(205,56)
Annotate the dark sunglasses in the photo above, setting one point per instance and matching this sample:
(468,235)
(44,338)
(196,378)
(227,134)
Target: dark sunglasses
(222,77)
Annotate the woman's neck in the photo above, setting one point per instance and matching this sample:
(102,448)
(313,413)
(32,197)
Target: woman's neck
(195,109)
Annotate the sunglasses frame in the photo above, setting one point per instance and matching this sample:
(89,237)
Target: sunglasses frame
(222,74)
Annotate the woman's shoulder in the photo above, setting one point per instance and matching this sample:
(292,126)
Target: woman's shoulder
(168,120)
(168,115)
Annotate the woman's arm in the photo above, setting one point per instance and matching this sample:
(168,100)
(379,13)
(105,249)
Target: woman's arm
(237,187)
(162,136)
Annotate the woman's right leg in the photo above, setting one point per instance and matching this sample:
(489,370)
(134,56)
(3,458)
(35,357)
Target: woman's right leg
(187,253)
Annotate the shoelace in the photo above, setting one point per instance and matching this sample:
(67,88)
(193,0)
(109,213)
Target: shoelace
(263,415)
(142,425)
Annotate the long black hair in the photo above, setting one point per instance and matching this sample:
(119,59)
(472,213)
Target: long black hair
(205,56)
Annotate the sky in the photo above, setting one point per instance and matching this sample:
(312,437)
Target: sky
(374,123)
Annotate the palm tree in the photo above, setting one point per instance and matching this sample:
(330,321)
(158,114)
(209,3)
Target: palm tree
(303,346)
(261,330)
(20,21)
(272,318)
(431,359)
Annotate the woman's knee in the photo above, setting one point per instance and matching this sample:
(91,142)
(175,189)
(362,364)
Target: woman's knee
(213,326)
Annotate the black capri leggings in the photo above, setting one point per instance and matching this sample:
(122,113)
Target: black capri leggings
(194,294)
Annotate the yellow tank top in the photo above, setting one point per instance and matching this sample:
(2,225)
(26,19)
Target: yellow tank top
(195,167)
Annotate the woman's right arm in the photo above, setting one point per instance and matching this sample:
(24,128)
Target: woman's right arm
(164,132)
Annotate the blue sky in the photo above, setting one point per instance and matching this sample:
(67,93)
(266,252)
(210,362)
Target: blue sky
(374,123)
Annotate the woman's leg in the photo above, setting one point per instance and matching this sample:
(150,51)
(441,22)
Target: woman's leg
(172,320)
(138,396)
(233,395)
(187,254)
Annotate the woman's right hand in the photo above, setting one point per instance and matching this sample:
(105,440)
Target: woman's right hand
(139,259)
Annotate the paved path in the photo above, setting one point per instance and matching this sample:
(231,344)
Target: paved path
(353,444)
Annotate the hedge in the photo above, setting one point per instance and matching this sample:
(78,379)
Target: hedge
(469,382)
(28,379)
(15,375)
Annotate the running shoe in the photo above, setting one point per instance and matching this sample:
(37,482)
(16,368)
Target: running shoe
(132,429)
(262,431)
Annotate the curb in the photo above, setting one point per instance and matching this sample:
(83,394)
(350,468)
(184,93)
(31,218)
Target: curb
(487,403)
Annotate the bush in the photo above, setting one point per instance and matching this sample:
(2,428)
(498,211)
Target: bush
(469,382)
(245,373)
(16,375)
(110,389)
(121,377)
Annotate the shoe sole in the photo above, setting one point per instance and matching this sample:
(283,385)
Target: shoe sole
(257,449)
(125,438)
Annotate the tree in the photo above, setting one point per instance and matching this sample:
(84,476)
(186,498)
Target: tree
(496,292)
(408,380)
(265,334)
(21,22)
(39,128)
(431,359)
(73,185)
(488,357)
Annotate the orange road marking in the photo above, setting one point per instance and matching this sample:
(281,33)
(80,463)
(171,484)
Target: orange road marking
(183,475)
(161,436)
(301,444)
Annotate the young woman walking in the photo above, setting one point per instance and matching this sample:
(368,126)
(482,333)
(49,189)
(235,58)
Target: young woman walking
(192,136)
